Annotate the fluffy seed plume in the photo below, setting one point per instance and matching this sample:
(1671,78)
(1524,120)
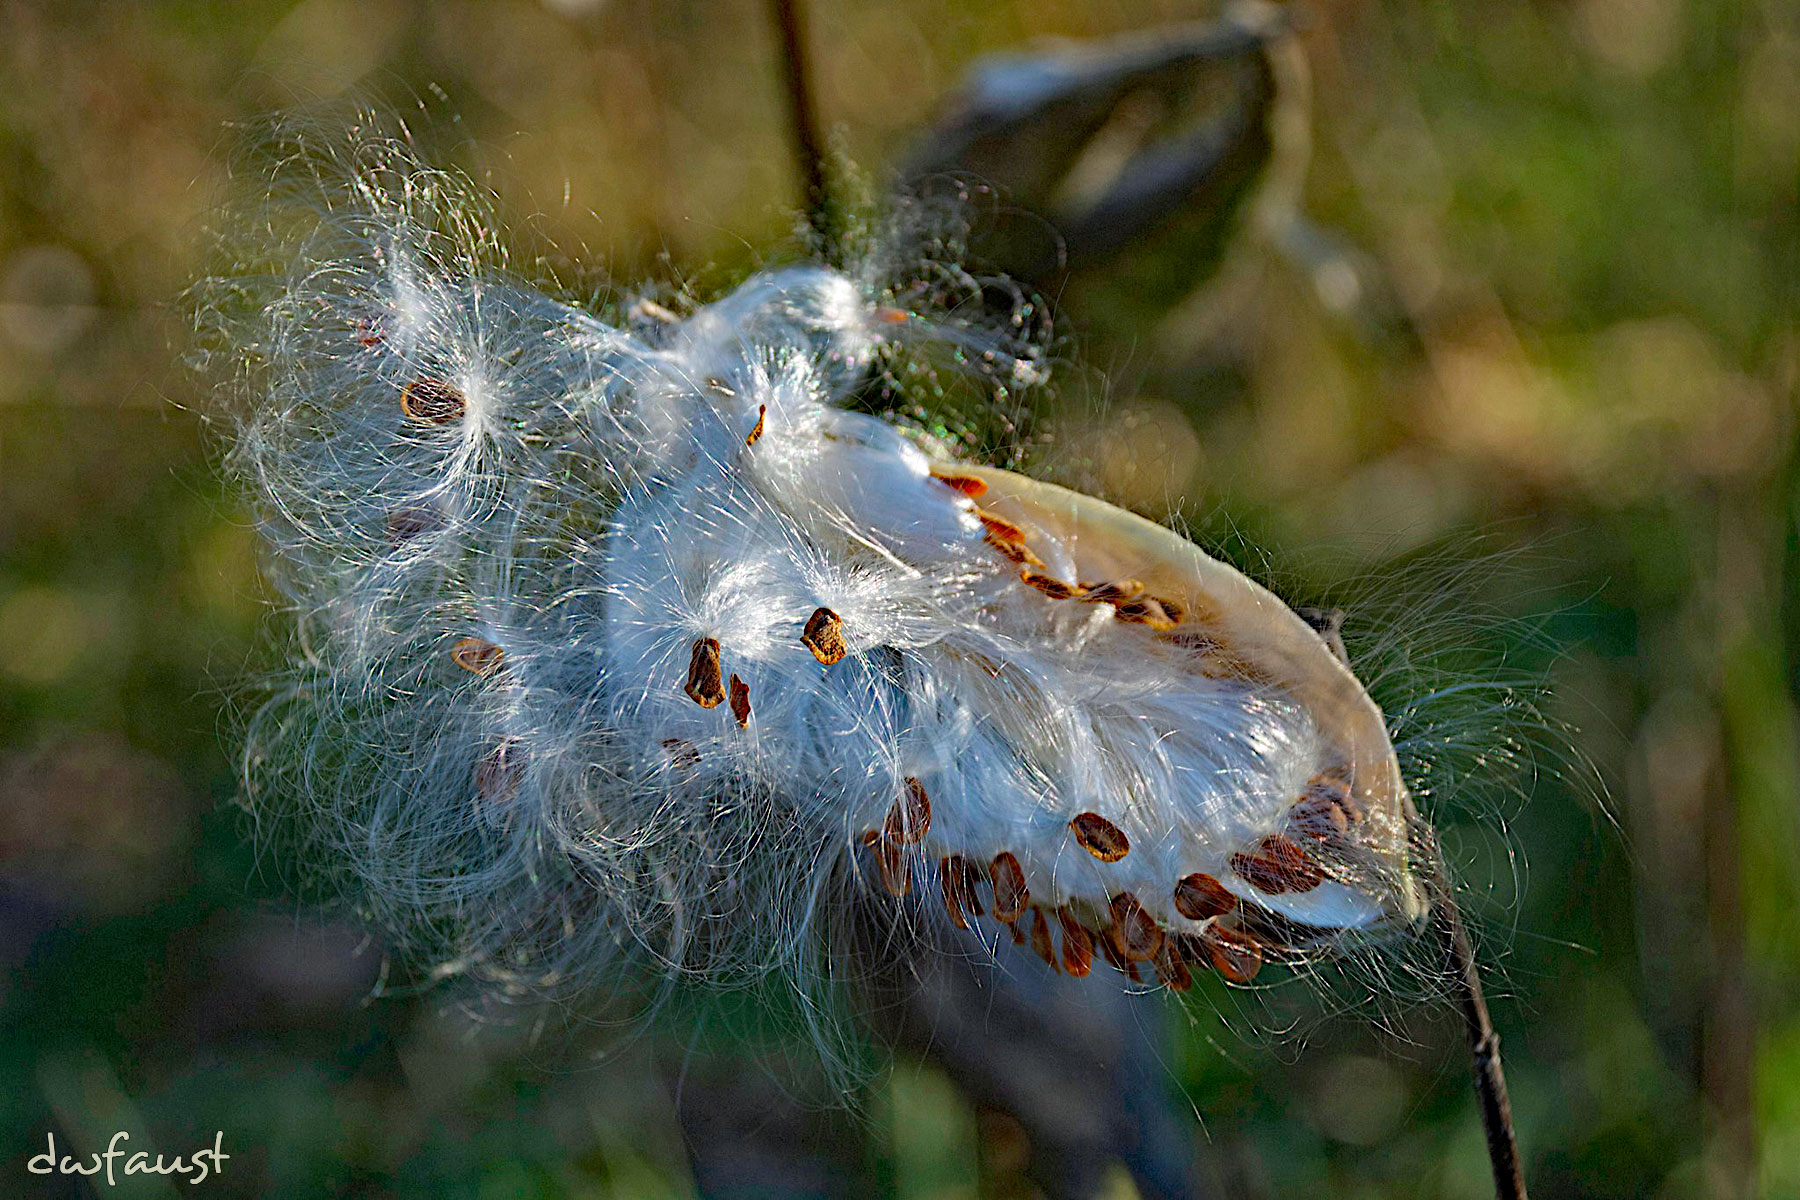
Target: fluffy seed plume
(634,535)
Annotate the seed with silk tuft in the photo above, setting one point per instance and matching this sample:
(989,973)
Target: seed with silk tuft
(433,402)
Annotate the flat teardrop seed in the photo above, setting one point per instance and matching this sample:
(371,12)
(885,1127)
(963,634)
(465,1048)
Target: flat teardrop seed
(1109,950)
(404,524)
(890,863)
(1135,932)
(1326,807)
(1172,968)
(1236,956)
(1118,591)
(477,655)
(1199,896)
(1278,866)
(681,753)
(740,701)
(1160,615)
(1041,942)
(909,820)
(1077,945)
(971,875)
(705,681)
(1008,539)
(957,876)
(1050,585)
(433,402)
(497,776)
(1010,893)
(1319,817)
(1000,529)
(1100,837)
(824,636)
(968,485)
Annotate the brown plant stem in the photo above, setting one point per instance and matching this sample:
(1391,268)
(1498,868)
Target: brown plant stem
(803,116)
(1484,1042)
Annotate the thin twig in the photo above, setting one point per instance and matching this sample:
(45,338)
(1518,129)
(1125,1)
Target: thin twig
(803,117)
(1484,1043)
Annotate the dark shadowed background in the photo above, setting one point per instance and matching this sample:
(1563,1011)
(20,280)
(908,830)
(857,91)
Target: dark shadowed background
(1529,317)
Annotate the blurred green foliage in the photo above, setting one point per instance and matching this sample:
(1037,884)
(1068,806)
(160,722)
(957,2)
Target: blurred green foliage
(1572,321)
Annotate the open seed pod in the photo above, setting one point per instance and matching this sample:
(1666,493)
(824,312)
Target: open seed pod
(1041,705)
(1349,819)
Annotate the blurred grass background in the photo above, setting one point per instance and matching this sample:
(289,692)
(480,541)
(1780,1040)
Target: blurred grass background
(1581,215)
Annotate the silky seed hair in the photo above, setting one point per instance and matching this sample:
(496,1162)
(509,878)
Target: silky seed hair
(623,644)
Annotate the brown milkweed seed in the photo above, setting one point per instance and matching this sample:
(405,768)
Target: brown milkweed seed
(497,776)
(973,874)
(1159,614)
(762,413)
(1100,837)
(1199,896)
(705,681)
(476,655)
(968,485)
(1318,817)
(824,636)
(1172,968)
(1050,585)
(890,863)
(1333,786)
(1278,866)
(1329,785)
(952,898)
(1109,950)
(958,877)
(1077,944)
(1237,956)
(1041,942)
(1015,552)
(740,701)
(404,524)
(1008,539)
(1135,933)
(433,402)
(999,527)
(909,820)
(681,753)
(1118,591)
(1010,893)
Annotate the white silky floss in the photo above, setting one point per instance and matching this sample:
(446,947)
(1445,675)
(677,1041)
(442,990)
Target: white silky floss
(628,640)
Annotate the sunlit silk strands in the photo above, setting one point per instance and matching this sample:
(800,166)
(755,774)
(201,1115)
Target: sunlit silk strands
(628,644)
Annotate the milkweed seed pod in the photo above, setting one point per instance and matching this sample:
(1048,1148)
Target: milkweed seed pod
(627,642)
